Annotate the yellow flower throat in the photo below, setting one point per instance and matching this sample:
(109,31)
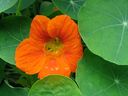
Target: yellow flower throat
(53,45)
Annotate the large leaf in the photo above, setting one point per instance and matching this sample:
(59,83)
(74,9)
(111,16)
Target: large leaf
(6,90)
(97,77)
(69,7)
(24,4)
(6,4)
(104,28)
(55,85)
(12,31)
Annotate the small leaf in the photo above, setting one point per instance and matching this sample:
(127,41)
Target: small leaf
(47,8)
(103,26)
(6,4)
(55,85)
(69,7)
(12,31)
(97,77)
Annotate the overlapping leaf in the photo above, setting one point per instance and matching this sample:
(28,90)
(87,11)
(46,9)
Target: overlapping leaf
(69,7)
(6,4)
(12,31)
(24,4)
(55,85)
(97,77)
(104,28)
(47,8)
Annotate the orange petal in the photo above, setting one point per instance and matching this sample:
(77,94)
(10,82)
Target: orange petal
(62,26)
(29,56)
(67,30)
(72,60)
(55,66)
(75,52)
(38,29)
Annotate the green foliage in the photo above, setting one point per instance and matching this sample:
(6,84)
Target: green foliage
(55,85)
(97,77)
(12,31)
(2,66)
(69,7)
(6,90)
(104,28)
(47,8)
(6,4)
(24,4)
(27,80)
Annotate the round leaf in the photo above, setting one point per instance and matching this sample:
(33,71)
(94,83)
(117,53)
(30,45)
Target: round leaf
(97,77)
(6,4)
(55,85)
(104,28)
(12,31)
(25,4)
(69,7)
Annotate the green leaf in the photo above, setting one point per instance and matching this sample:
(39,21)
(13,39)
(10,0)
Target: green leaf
(6,90)
(12,31)
(47,8)
(27,80)
(55,85)
(69,7)
(6,4)
(24,5)
(97,77)
(2,67)
(104,28)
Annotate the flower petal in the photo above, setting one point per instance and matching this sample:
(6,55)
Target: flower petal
(74,54)
(29,56)
(55,66)
(67,30)
(38,29)
(62,26)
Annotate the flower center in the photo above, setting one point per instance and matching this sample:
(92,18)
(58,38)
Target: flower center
(53,45)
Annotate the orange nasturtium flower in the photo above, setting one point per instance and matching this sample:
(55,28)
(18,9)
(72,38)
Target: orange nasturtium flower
(53,47)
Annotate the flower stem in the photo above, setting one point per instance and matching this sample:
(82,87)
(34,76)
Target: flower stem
(18,13)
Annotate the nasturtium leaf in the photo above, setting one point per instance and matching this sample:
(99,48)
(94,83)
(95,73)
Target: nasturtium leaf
(97,77)
(47,8)
(6,4)
(24,4)
(55,85)
(69,7)
(6,90)
(27,80)
(2,67)
(104,28)
(12,31)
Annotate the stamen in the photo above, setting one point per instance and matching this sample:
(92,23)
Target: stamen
(53,45)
